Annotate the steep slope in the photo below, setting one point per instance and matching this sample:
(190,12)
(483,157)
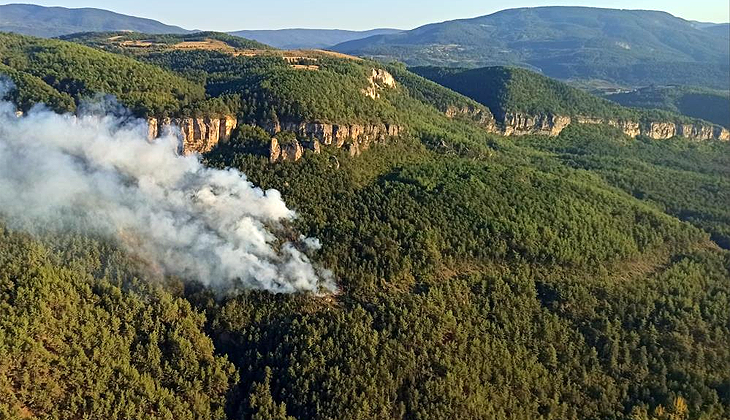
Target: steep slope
(479,276)
(66,76)
(322,97)
(526,102)
(49,22)
(631,47)
(709,105)
(458,266)
(309,38)
(62,74)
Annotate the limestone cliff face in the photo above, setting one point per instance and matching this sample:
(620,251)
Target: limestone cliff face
(379,80)
(291,152)
(336,134)
(659,130)
(521,124)
(721,133)
(552,125)
(356,137)
(198,135)
(482,117)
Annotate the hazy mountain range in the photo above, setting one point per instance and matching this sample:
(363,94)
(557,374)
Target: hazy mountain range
(50,22)
(309,38)
(629,48)
(719,29)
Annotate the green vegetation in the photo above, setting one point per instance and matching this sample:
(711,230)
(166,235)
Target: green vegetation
(56,71)
(685,179)
(514,90)
(267,89)
(709,105)
(115,41)
(30,90)
(263,88)
(79,335)
(436,95)
(457,271)
(577,277)
(628,47)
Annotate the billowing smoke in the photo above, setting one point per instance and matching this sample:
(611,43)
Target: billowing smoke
(99,174)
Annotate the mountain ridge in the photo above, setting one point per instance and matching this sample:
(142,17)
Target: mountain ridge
(54,21)
(307,38)
(30,19)
(524,102)
(578,276)
(630,47)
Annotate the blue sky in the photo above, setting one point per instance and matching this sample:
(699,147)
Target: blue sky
(227,15)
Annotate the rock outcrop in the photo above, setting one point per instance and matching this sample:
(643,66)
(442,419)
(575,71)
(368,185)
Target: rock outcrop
(290,152)
(516,124)
(312,135)
(379,80)
(521,124)
(336,134)
(480,116)
(197,135)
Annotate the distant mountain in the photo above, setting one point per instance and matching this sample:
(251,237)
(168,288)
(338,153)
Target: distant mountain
(50,22)
(309,38)
(718,29)
(631,47)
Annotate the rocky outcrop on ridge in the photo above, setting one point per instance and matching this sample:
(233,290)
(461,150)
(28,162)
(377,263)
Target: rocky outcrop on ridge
(551,125)
(197,135)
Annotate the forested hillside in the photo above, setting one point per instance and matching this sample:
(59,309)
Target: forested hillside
(628,47)
(62,74)
(82,335)
(525,102)
(706,104)
(583,276)
(262,85)
(512,89)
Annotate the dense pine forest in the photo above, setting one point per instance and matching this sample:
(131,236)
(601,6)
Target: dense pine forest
(512,89)
(710,105)
(583,276)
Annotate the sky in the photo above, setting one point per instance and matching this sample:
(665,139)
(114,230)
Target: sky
(227,15)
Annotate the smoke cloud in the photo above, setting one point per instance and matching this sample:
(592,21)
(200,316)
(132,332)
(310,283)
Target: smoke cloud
(98,174)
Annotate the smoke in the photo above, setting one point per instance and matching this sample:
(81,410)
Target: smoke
(97,173)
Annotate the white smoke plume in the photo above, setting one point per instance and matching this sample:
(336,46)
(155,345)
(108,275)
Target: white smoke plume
(99,174)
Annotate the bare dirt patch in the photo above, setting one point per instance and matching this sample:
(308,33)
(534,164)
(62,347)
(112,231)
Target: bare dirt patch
(206,44)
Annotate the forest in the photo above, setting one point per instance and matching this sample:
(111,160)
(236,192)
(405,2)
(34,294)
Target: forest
(585,276)
(707,104)
(512,89)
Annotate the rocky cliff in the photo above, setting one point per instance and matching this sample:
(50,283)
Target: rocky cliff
(313,135)
(197,135)
(522,124)
(480,116)
(379,80)
(552,125)
(356,137)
